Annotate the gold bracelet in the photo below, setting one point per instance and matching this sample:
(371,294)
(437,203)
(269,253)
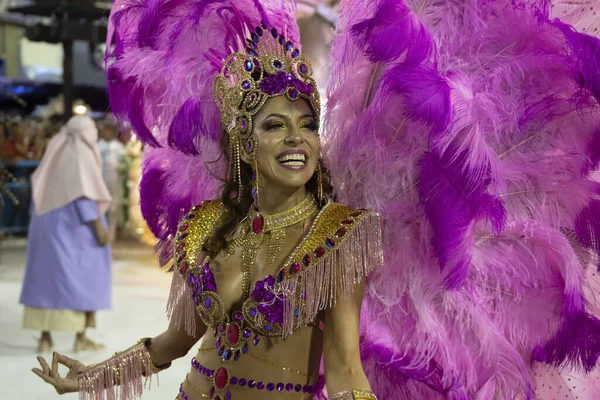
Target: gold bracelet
(355,394)
(194,388)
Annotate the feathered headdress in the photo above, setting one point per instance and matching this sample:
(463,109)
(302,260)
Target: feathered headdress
(180,72)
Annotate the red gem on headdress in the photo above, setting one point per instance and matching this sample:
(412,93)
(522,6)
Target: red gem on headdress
(258,223)
(341,232)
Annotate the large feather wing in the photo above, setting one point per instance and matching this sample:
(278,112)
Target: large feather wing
(472,128)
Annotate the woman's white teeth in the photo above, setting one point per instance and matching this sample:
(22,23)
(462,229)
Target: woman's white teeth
(292,159)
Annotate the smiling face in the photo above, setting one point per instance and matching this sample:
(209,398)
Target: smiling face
(288,144)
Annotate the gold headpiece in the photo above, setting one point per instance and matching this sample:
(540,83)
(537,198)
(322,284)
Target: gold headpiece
(272,67)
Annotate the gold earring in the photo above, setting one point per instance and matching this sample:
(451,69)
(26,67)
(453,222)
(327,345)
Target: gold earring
(319,183)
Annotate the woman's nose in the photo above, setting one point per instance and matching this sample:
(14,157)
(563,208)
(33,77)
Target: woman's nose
(294,137)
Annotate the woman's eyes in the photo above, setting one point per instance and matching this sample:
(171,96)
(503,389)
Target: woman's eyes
(276,125)
(310,125)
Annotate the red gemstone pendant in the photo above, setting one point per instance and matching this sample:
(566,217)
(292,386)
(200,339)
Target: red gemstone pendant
(258,223)
(233,334)
(221,378)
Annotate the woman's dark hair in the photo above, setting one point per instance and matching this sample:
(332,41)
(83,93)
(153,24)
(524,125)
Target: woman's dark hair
(238,204)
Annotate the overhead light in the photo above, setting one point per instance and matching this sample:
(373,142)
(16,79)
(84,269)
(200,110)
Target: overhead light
(80,109)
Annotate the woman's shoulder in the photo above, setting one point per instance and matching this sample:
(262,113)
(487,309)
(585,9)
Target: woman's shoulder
(195,227)
(202,217)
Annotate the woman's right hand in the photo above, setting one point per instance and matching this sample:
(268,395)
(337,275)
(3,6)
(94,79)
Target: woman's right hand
(69,383)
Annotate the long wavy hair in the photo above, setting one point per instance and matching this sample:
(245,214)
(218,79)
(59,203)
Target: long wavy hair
(237,205)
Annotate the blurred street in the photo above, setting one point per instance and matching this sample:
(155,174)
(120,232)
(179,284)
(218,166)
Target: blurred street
(140,291)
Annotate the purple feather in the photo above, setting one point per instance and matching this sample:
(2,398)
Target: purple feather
(576,344)
(587,226)
(264,18)
(425,94)
(399,368)
(453,201)
(186,125)
(586,50)
(135,115)
(392,32)
(119,92)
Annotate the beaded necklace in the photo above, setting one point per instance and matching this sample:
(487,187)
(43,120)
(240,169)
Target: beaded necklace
(250,236)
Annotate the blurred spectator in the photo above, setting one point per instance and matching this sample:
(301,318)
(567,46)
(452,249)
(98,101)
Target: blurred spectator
(68,272)
(112,152)
(40,142)
(8,150)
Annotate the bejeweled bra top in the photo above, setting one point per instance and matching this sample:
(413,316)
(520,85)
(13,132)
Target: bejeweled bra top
(267,309)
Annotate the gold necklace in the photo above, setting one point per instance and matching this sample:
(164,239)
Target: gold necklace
(249,240)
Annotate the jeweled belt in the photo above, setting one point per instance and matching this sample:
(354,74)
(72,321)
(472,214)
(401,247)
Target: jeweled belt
(222,379)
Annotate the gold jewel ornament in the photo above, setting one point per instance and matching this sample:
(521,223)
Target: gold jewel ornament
(249,238)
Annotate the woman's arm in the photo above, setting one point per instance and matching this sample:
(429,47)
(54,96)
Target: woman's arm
(175,343)
(341,354)
(147,357)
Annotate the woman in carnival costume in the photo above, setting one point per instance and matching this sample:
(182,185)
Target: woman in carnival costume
(469,128)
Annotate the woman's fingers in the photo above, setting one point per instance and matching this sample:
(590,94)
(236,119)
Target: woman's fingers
(44,365)
(54,372)
(42,375)
(66,361)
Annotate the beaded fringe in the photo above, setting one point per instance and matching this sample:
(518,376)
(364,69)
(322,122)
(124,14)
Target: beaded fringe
(335,276)
(180,306)
(122,377)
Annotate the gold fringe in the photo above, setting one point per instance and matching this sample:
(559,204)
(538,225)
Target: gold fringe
(334,277)
(181,311)
(119,378)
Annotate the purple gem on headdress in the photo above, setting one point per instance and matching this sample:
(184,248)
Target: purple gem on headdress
(274,33)
(295,53)
(248,65)
(293,93)
(303,69)
(252,52)
(251,43)
(254,37)
(253,176)
(281,40)
(251,99)
(259,31)
(277,64)
(244,124)
(246,85)
(249,145)
(289,46)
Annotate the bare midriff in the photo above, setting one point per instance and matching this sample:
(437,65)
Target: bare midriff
(294,360)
